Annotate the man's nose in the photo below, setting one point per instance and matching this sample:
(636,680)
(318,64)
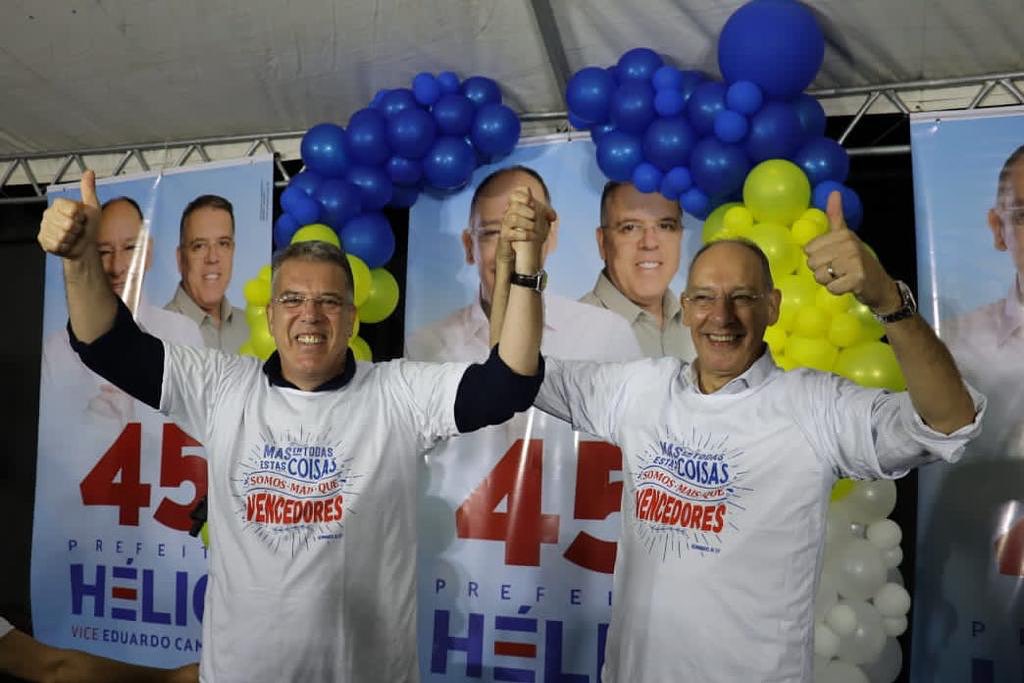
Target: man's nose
(649,237)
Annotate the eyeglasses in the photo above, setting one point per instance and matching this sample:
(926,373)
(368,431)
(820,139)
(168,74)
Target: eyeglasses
(705,301)
(328,303)
(1015,214)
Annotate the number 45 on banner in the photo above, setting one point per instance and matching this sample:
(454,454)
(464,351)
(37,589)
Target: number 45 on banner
(524,527)
(102,487)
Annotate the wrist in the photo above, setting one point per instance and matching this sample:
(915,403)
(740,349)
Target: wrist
(527,264)
(898,305)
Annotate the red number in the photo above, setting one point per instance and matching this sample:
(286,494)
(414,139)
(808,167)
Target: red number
(129,494)
(176,468)
(596,498)
(518,478)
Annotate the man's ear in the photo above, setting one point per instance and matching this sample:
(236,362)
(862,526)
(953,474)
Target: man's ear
(467,245)
(599,236)
(995,224)
(181,260)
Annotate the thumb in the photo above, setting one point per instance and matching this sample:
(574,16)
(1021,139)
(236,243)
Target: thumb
(88,188)
(834,209)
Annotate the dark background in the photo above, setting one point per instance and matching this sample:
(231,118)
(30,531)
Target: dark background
(884,183)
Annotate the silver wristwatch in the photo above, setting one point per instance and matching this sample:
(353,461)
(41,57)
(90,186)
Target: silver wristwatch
(907,309)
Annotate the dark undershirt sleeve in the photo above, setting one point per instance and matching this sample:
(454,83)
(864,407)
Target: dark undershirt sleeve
(491,393)
(127,357)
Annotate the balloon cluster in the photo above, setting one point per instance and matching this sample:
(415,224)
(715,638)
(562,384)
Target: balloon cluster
(432,135)
(861,605)
(695,139)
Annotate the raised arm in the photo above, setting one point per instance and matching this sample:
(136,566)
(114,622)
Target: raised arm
(842,263)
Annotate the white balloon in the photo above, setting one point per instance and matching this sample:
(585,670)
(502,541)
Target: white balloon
(870,501)
(837,523)
(860,571)
(841,672)
(890,663)
(819,665)
(826,596)
(894,576)
(885,534)
(857,530)
(867,640)
(892,557)
(841,619)
(826,642)
(892,600)
(894,626)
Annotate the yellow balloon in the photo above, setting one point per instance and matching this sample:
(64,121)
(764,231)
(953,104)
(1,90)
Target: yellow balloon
(316,232)
(787,315)
(383,297)
(871,329)
(804,231)
(257,291)
(262,342)
(828,301)
(713,223)
(361,280)
(265,273)
(355,327)
(256,316)
(777,244)
(841,489)
(811,353)
(802,270)
(776,191)
(816,215)
(811,322)
(845,330)
(785,362)
(797,289)
(738,219)
(360,349)
(247,349)
(775,337)
(871,364)
(204,535)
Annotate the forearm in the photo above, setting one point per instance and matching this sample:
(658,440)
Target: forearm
(490,393)
(933,381)
(521,332)
(92,304)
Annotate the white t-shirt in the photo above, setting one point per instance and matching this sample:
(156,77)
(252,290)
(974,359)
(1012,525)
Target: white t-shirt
(571,330)
(724,501)
(311,512)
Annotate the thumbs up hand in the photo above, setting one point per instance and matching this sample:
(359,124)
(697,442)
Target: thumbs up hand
(68,228)
(842,263)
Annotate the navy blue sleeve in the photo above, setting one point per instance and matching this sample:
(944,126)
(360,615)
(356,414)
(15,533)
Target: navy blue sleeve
(490,393)
(127,357)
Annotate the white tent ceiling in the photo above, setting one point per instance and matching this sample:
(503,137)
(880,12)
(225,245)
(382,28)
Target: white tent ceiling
(92,73)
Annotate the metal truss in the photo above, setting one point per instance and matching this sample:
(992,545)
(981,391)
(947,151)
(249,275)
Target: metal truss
(25,177)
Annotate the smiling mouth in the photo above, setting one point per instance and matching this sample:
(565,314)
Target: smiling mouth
(211,277)
(648,265)
(310,339)
(724,338)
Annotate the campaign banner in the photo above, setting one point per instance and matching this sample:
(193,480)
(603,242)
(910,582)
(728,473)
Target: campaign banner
(518,524)
(114,570)
(969,200)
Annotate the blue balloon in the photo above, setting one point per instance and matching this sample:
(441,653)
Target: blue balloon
(811,115)
(853,210)
(589,94)
(676,182)
(495,130)
(691,79)
(777,44)
(425,88)
(373,184)
(453,114)
(307,181)
(730,126)
(578,123)
(695,203)
(404,171)
(450,163)
(707,100)
(378,99)
(667,78)
(284,228)
(669,142)
(718,168)
(775,133)
(481,90)
(647,177)
(303,208)
(618,153)
(669,103)
(404,196)
(410,133)
(598,131)
(396,100)
(632,108)
(323,150)
(339,201)
(744,97)
(367,137)
(369,236)
(640,63)
(823,159)
(448,81)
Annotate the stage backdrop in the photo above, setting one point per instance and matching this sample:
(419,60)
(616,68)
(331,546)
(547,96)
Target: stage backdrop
(518,523)
(114,571)
(968,606)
